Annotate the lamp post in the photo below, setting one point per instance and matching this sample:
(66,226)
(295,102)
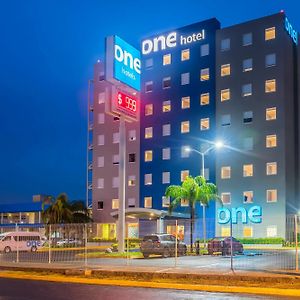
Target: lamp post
(218,144)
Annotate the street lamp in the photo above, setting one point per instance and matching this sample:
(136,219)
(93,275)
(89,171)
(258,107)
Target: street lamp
(216,145)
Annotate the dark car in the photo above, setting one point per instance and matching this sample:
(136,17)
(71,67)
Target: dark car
(162,244)
(222,244)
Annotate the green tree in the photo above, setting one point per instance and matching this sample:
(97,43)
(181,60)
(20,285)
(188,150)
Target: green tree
(194,190)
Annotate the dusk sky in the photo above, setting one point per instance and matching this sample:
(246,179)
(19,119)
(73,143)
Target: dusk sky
(47,53)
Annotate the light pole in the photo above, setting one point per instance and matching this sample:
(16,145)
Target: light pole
(218,144)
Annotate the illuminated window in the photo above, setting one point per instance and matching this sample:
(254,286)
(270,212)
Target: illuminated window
(166,153)
(272,231)
(184,202)
(248,117)
(167,59)
(225,95)
(116,159)
(166,82)
(131,157)
(271,141)
(148,109)
(184,174)
(248,143)
(247,170)
(116,138)
(166,106)
(101,98)
(271,113)
(148,179)
(248,232)
(247,39)
(270,86)
(100,183)
(271,195)
(270,60)
(166,129)
(204,124)
(100,205)
(226,172)
(185,102)
(148,155)
(185,54)
(184,152)
(185,78)
(271,168)
(225,70)
(204,50)
(226,198)
(165,201)
(115,182)
(185,127)
(225,231)
(165,177)
(131,180)
(247,65)
(225,120)
(148,202)
(100,140)
(148,86)
(248,197)
(148,132)
(131,202)
(247,90)
(204,99)
(225,44)
(100,118)
(100,161)
(149,63)
(204,74)
(270,33)
(115,204)
(132,135)
(101,76)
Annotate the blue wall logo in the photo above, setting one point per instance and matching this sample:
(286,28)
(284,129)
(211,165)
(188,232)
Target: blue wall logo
(291,31)
(254,215)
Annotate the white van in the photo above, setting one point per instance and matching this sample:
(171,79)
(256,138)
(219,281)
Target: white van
(21,241)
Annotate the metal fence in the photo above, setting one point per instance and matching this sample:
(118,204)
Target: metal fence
(153,244)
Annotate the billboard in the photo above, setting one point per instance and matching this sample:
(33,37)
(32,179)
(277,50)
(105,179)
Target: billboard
(123,63)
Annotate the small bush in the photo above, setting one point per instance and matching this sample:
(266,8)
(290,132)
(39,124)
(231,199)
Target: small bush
(264,241)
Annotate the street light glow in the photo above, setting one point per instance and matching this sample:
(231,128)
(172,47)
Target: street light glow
(219,144)
(187,149)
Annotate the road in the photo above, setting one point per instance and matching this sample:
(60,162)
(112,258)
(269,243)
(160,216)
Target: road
(15,289)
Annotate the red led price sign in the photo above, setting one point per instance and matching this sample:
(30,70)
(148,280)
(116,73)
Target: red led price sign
(126,103)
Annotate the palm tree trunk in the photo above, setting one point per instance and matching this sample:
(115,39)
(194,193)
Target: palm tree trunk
(192,227)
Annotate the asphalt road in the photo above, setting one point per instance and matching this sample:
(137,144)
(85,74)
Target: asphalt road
(15,289)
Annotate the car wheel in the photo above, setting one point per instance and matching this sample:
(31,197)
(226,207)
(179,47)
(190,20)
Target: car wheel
(166,253)
(7,249)
(183,251)
(146,255)
(33,249)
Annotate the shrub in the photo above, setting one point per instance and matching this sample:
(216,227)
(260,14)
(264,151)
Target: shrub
(264,241)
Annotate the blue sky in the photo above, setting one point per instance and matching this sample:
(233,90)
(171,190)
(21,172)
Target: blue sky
(47,53)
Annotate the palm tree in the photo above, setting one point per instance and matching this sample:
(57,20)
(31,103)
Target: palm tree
(194,190)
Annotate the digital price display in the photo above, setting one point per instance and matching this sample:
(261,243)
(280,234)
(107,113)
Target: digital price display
(126,104)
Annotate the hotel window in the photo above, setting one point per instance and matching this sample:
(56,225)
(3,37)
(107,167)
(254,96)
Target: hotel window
(184,203)
(248,197)
(185,126)
(101,118)
(149,63)
(131,157)
(166,129)
(167,59)
(225,120)
(100,183)
(204,124)
(270,33)
(204,50)
(148,132)
(148,179)
(101,98)
(166,82)
(166,153)
(185,102)
(148,109)
(248,143)
(225,44)
(148,86)
(248,117)
(100,161)
(131,180)
(226,198)
(132,135)
(116,138)
(247,90)
(226,172)
(185,78)
(166,106)
(225,231)
(165,201)
(185,54)
(271,168)
(248,232)
(270,60)
(100,205)
(247,39)
(271,141)
(225,95)
(184,152)
(206,173)
(247,65)
(101,76)
(272,231)
(148,202)
(131,202)
(165,177)
(115,182)
(204,99)
(116,159)
(100,140)
(115,203)
(148,155)
(270,86)
(271,195)
(247,170)
(225,70)
(271,113)
(184,174)
(204,74)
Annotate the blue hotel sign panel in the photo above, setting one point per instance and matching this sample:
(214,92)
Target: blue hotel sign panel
(291,31)
(253,215)
(123,63)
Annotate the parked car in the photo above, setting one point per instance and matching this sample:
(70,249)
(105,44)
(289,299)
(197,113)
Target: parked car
(222,244)
(68,243)
(162,244)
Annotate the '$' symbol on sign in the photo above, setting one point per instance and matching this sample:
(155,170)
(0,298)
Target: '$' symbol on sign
(119,98)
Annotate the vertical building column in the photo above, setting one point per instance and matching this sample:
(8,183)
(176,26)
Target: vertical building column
(39,220)
(160,225)
(1,218)
(20,217)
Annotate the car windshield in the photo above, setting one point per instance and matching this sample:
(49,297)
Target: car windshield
(150,237)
